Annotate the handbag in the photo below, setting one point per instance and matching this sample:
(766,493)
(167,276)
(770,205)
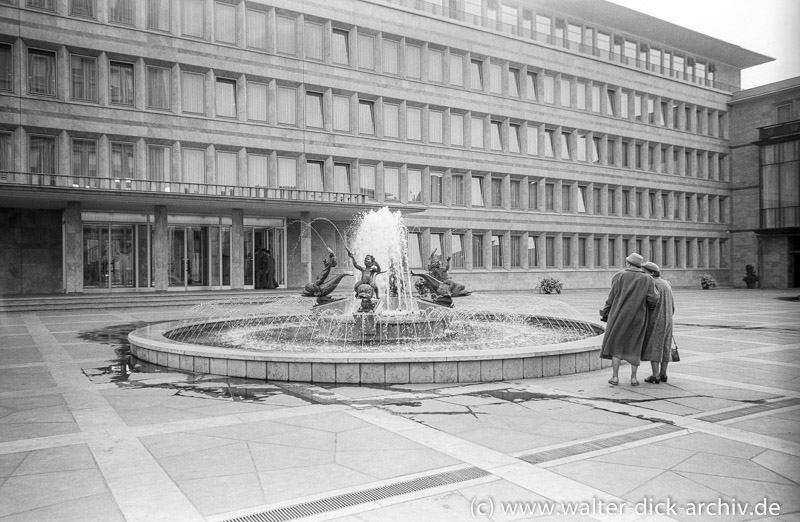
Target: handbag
(676,357)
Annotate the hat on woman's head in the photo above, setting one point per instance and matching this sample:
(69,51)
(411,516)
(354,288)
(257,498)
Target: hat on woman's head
(651,267)
(635,259)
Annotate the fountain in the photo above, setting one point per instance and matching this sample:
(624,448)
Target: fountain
(382,332)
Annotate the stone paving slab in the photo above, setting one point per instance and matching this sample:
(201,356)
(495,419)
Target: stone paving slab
(82,439)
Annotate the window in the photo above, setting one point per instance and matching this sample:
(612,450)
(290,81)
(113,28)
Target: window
(194,165)
(226,98)
(457,129)
(121,83)
(84,78)
(497,251)
(257,101)
(413,61)
(565,95)
(457,70)
(495,78)
(49,5)
(122,161)
(313,45)
(120,12)
(623,105)
(530,87)
(580,95)
(597,204)
(581,199)
(549,196)
(595,150)
(414,123)
(550,251)
(42,73)
(664,206)
(476,132)
(287,173)
(341,178)
(581,147)
(513,82)
(515,193)
(477,251)
(497,192)
(6,152)
(533,254)
(366,51)
(158,14)
(639,203)
(366,178)
(435,61)
(533,195)
(82,8)
(784,113)
(414,250)
(227,168)
(566,198)
(225,23)
(159,87)
(193,18)
(314,110)
(612,251)
(497,139)
(436,126)
(42,155)
(391,52)
(457,250)
(194,97)
(257,29)
(159,163)
(391,120)
(258,170)
(414,185)
(366,117)
(582,259)
(626,202)
(477,191)
(340,47)
(457,182)
(6,68)
(595,98)
(391,183)
(513,138)
(533,140)
(287,105)
(597,259)
(84,158)
(436,187)
(285,35)
(611,108)
(549,146)
(476,75)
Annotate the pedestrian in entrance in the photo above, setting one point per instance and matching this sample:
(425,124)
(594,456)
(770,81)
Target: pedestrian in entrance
(658,349)
(270,270)
(633,294)
(261,269)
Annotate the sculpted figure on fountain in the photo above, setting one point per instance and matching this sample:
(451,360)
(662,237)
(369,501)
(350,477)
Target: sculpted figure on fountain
(320,288)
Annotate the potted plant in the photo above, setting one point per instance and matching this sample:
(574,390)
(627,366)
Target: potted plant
(751,277)
(707,281)
(548,285)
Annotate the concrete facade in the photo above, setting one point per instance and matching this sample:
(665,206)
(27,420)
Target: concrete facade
(522,141)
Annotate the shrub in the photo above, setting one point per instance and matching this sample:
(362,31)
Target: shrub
(707,281)
(548,285)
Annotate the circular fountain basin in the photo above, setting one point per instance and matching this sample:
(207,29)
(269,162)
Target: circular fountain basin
(152,344)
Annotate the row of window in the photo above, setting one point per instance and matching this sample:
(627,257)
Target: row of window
(382,182)
(517,82)
(532,250)
(387,119)
(300,35)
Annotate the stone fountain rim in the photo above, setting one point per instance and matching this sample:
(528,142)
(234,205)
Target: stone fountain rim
(153,338)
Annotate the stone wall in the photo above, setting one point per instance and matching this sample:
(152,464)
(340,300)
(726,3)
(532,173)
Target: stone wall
(30,252)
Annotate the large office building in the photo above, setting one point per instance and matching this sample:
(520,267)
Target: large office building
(156,145)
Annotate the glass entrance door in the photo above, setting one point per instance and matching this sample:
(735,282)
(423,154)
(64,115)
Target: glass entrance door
(109,256)
(272,239)
(189,260)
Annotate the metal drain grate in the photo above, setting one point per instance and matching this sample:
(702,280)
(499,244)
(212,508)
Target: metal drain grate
(750,410)
(345,500)
(586,447)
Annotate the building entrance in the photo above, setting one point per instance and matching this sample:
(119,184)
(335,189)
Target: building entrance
(109,256)
(272,239)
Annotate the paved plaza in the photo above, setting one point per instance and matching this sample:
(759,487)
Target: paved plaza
(81,439)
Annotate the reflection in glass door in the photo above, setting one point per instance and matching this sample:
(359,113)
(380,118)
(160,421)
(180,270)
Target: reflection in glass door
(95,256)
(197,254)
(177,256)
(122,256)
(109,256)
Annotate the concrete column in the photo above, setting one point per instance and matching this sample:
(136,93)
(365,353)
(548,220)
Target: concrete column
(305,245)
(73,248)
(160,249)
(237,249)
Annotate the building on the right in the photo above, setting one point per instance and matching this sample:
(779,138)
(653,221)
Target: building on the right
(765,183)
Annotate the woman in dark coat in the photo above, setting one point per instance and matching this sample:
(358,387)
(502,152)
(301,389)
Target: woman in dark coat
(633,294)
(659,343)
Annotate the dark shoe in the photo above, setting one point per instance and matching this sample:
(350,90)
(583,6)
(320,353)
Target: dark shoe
(663,377)
(652,380)
(613,381)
